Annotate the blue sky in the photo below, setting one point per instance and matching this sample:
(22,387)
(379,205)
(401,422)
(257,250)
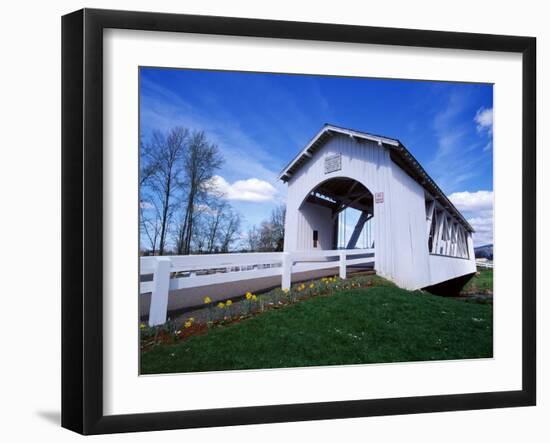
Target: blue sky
(260,121)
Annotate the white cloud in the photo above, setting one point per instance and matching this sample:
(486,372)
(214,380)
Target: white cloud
(472,201)
(484,120)
(478,209)
(251,190)
(483,227)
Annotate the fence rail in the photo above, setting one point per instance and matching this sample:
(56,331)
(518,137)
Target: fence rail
(171,273)
(484,264)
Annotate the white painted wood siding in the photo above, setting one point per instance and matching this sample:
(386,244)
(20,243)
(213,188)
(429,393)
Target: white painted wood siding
(314,218)
(410,267)
(362,161)
(401,238)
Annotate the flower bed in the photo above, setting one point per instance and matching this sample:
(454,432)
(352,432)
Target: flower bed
(241,308)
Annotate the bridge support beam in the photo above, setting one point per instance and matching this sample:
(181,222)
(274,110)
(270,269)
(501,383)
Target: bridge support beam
(364,217)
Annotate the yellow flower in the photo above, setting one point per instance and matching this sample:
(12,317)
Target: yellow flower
(141,326)
(254,298)
(229,303)
(311,286)
(207,300)
(221,305)
(187,324)
(191,318)
(285,290)
(248,295)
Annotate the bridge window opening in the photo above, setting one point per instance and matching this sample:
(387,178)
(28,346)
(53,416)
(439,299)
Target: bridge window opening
(445,234)
(315,238)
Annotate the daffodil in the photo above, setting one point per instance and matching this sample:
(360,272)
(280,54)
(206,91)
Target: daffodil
(285,290)
(248,295)
(187,324)
(207,300)
(221,305)
(229,303)
(311,286)
(254,298)
(142,326)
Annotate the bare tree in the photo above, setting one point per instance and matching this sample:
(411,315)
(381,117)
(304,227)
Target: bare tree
(270,235)
(253,239)
(278,226)
(230,231)
(149,225)
(214,223)
(216,227)
(267,240)
(162,166)
(149,163)
(201,160)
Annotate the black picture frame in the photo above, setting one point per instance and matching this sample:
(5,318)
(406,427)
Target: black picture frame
(82,190)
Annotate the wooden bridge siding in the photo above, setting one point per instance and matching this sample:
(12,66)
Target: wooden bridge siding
(410,268)
(444,268)
(314,217)
(362,161)
(400,222)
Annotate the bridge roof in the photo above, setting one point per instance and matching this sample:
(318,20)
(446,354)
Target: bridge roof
(399,154)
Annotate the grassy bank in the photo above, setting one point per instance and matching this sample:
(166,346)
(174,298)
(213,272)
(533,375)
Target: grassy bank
(481,283)
(378,324)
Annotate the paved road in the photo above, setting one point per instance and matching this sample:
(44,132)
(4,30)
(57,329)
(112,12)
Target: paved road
(193,297)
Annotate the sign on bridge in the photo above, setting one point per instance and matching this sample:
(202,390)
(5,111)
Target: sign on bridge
(333,163)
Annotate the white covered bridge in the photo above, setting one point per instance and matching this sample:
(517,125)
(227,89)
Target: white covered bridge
(420,239)
(406,228)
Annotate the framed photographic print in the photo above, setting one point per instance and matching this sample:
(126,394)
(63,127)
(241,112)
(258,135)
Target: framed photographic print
(269,221)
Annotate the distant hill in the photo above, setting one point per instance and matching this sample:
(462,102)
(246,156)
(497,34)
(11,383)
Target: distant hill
(485,251)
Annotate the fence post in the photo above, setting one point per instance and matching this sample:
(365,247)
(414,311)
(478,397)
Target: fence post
(159,298)
(342,264)
(287,271)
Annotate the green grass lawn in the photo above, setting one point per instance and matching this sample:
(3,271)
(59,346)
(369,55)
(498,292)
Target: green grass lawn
(373,325)
(480,284)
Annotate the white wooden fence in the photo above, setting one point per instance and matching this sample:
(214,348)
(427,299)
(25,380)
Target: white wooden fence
(484,264)
(190,271)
